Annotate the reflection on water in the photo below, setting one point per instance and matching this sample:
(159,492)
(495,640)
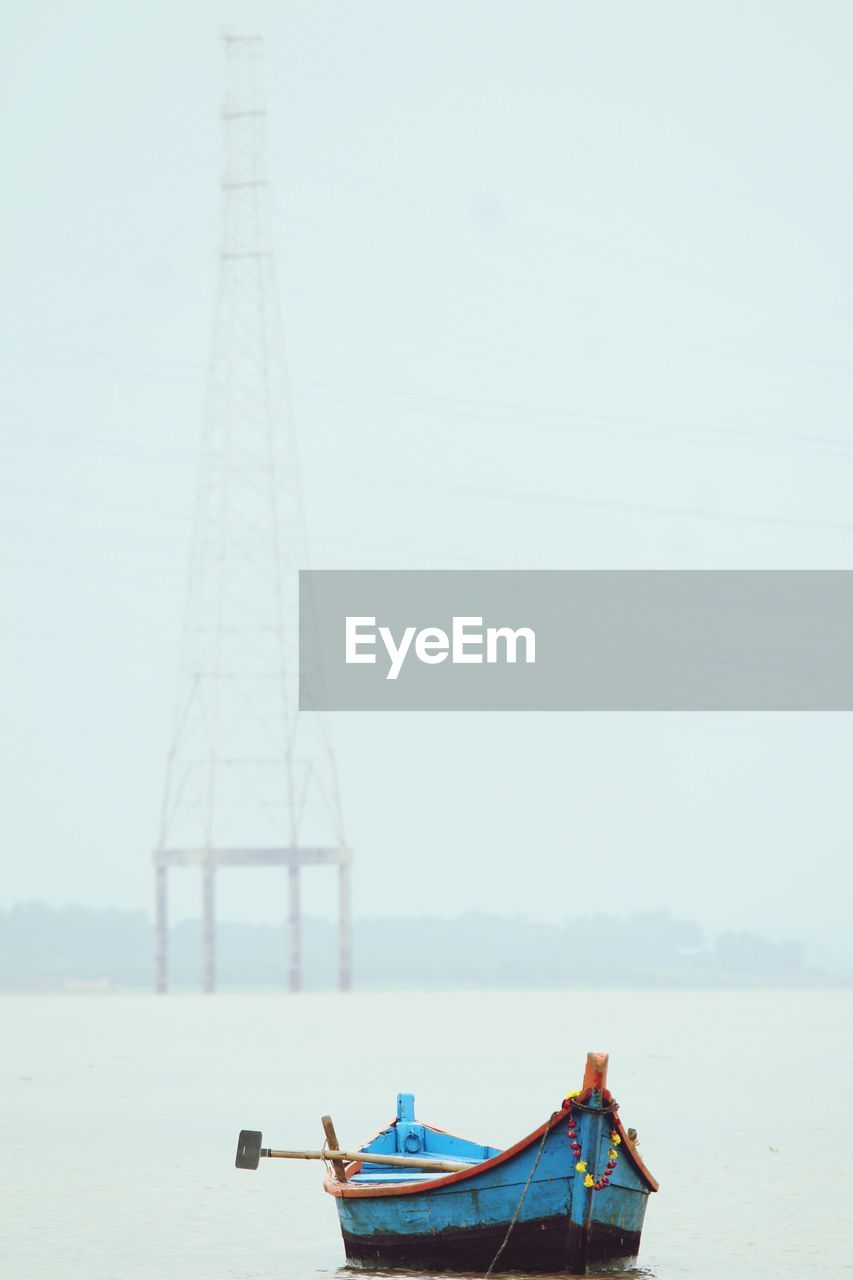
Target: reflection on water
(616,1273)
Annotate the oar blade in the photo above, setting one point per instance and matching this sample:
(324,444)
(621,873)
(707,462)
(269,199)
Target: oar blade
(249,1149)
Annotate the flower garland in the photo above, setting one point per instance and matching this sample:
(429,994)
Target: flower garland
(595,1184)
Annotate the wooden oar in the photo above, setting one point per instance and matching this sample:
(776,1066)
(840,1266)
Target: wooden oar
(369,1157)
(250,1151)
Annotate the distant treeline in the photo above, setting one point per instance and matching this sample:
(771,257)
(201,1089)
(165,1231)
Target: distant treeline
(42,947)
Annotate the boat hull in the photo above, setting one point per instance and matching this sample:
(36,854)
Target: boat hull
(552,1245)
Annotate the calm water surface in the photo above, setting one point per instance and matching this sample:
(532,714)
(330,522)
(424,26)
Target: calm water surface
(120,1116)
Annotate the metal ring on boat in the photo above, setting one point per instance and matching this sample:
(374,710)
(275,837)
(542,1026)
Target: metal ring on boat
(412,1143)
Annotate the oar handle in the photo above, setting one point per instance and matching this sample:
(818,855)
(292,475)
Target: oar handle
(369,1157)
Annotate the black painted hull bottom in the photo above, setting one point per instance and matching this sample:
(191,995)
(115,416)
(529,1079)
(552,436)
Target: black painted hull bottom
(549,1244)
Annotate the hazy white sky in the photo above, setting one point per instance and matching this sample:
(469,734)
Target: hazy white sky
(564,286)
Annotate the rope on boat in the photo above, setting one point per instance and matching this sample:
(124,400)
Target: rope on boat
(598,1111)
(511,1226)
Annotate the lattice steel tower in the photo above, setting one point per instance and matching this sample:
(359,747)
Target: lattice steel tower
(250,780)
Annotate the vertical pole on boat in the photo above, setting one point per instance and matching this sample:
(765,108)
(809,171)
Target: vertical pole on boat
(345,924)
(334,1145)
(208,928)
(161,931)
(294,928)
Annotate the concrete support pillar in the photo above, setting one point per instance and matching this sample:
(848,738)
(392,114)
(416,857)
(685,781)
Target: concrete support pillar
(294,929)
(161,931)
(345,926)
(208,929)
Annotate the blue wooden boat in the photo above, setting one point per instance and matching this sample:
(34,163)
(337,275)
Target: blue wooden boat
(570,1197)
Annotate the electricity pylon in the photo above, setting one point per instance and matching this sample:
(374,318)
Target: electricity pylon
(250,780)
